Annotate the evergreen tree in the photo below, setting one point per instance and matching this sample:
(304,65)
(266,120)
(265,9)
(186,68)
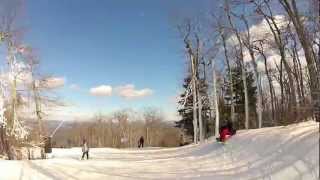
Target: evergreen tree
(238,99)
(186,113)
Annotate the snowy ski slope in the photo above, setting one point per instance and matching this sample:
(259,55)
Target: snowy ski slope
(280,153)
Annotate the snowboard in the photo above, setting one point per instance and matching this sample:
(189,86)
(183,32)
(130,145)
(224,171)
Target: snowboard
(223,142)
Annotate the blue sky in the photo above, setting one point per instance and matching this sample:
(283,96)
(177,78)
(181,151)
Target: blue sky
(91,43)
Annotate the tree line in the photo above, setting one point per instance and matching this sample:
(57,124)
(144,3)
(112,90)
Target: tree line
(120,129)
(254,63)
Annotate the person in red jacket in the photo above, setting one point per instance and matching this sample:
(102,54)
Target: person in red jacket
(225,134)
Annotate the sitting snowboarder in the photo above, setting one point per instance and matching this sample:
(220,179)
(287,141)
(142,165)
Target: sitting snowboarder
(85,149)
(226,132)
(141,142)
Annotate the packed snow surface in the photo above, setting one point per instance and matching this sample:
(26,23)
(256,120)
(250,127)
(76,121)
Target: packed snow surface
(281,153)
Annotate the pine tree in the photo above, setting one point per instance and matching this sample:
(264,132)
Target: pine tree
(186,113)
(239,98)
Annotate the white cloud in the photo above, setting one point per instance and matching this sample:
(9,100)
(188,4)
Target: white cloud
(103,90)
(129,92)
(54,82)
(259,31)
(262,29)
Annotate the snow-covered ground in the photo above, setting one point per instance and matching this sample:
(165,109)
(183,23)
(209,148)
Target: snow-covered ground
(281,153)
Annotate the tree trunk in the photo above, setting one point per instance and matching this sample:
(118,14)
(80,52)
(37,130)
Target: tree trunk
(244,76)
(296,75)
(274,27)
(310,56)
(200,116)
(232,109)
(281,46)
(194,94)
(215,100)
(245,89)
(292,91)
(249,46)
(271,89)
(257,79)
(38,110)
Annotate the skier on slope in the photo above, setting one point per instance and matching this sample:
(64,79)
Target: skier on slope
(141,142)
(226,132)
(85,149)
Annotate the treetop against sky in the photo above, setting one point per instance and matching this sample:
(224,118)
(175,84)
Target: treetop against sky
(108,55)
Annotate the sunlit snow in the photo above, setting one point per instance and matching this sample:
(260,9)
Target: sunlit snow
(290,152)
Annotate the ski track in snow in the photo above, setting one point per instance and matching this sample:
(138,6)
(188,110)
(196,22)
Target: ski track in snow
(278,153)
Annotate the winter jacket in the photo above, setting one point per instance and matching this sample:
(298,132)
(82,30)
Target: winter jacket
(85,147)
(225,134)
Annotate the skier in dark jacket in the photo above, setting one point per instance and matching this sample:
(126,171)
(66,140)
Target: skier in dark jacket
(85,149)
(141,142)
